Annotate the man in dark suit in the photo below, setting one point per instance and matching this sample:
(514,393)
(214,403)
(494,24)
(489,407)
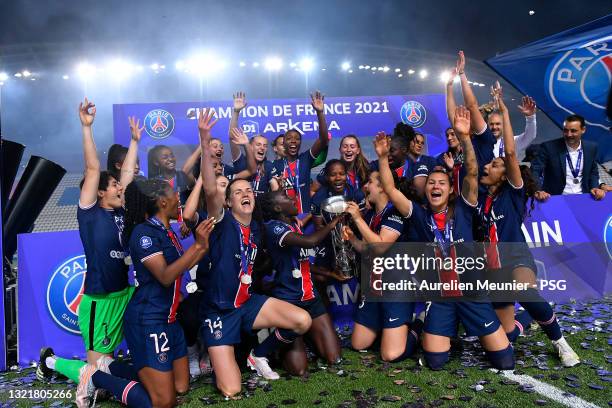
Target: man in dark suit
(568,165)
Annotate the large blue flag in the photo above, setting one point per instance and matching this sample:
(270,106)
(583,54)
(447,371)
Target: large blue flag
(567,73)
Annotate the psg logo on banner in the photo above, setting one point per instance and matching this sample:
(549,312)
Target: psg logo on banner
(579,80)
(413,114)
(159,123)
(64,293)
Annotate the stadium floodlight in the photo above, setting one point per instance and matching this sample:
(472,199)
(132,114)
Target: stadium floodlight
(400,75)
(65,77)
(242,64)
(397,70)
(381,68)
(410,71)
(273,63)
(347,65)
(307,64)
(445,76)
(26,73)
(350,71)
(292,64)
(255,64)
(373,68)
(85,70)
(361,67)
(3,76)
(481,84)
(155,66)
(386,69)
(367,67)
(18,75)
(119,69)
(423,73)
(180,65)
(204,64)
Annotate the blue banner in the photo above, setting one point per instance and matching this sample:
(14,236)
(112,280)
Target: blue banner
(2,312)
(174,124)
(567,73)
(567,234)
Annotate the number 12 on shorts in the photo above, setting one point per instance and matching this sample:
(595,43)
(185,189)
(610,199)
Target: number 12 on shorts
(156,338)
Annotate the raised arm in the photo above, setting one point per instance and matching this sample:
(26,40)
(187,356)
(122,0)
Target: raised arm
(527,108)
(129,164)
(478,123)
(239,104)
(190,162)
(191,205)
(513,171)
(89,191)
(238,138)
(450,97)
(399,200)
(309,241)
(167,274)
(209,181)
(469,188)
(319,106)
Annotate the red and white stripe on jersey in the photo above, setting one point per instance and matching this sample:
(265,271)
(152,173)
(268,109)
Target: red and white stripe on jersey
(176,290)
(307,286)
(447,276)
(242,295)
(491,249)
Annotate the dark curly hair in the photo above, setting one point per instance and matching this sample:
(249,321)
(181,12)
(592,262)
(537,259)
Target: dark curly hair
(530,187)
(329,165)
(404,131)
(141,202)
(116,154)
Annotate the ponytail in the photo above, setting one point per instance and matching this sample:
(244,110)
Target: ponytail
(141,202)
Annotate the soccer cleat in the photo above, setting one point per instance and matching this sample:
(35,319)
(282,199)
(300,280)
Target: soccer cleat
(205,366)
(260,364)
(568,356)
(44,373)
(85,389)
(194,362)
(103,363)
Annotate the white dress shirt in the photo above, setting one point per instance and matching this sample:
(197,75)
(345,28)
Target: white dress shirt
(522,141)
(570,187)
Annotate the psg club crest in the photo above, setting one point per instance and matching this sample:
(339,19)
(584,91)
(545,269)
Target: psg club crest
(65,291)
(579,80)
(159,123)
(413,114)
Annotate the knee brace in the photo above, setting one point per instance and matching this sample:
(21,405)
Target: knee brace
(502,359)
(436,360)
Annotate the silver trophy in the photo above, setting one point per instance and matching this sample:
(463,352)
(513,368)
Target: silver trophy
(345,255)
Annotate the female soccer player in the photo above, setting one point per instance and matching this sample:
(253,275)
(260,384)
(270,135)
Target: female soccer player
(155,339)
(162,166)
(381,225)
(294,169)
(357,166)
(398,158)
(447,222)
(293,280)
(502,210)
(116,157)
(106,289)
(228,306)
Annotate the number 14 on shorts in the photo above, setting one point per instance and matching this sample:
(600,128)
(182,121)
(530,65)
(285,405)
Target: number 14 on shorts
(217,324)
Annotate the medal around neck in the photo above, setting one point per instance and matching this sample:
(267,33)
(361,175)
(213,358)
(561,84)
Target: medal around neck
(297,274)
(246,279)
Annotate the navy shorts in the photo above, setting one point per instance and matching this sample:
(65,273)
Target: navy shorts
(478,318)
(383,315)
(314,307)
(155,345)
(224,327)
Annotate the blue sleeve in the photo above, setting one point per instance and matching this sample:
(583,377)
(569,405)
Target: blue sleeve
(594,172)
(374,165)
(321,177)
(88,214)
(144,244)
(240,164)
(393,221)
(306,157)
(228,170)
(276,169)
(483,147)
(276,232)
(360,200)
(315,205)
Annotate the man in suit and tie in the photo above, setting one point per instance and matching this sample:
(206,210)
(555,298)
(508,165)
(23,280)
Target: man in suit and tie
(568,165)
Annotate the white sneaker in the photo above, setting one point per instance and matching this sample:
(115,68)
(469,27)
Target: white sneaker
(205,366)
(568,356)
(194,361)
(260,364)
(85,389)
(103,363)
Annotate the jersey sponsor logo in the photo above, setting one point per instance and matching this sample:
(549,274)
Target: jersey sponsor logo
(159,123)
(577,81)
(413,114)
(117,254)
(145,242)
(607,236)
(64,293)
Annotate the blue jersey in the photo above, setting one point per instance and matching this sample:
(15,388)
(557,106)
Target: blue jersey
(293,280)
(388,218)
(502,216)
(406,170)
(423,165)
(483,147)
(100,230)
(352,179)
(260,181)
(204,264)
(233,248)
(152,301)
(297,178)
(429,227)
